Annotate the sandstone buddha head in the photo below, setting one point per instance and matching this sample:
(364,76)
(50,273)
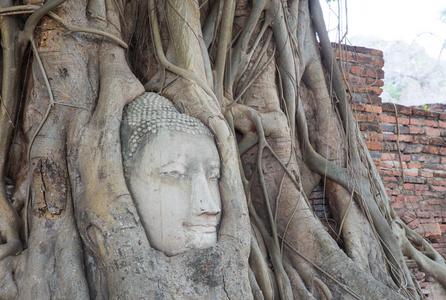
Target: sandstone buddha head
(172,168)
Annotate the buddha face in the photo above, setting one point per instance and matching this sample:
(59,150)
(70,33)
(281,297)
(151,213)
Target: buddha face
(175,188)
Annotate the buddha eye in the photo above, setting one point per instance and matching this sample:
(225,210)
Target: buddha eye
(173,172)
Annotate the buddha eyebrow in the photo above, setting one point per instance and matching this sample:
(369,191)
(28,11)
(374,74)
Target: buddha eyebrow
(173,163)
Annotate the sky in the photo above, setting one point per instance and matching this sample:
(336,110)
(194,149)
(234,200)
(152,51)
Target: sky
(407,20)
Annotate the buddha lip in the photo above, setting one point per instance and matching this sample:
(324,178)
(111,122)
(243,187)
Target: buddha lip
(210,226)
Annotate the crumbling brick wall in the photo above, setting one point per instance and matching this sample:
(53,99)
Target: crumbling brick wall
(408,145)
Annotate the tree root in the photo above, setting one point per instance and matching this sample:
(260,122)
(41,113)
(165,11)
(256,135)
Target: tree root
(434,267)
(9,219)
(74,28)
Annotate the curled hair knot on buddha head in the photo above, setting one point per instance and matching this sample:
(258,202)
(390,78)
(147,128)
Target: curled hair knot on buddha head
(148,115)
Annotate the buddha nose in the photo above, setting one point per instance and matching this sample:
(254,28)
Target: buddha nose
(201,197)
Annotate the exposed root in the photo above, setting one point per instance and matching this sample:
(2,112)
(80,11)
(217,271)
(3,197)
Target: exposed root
(10,97)
(74,28)
(432,267)
(188,75)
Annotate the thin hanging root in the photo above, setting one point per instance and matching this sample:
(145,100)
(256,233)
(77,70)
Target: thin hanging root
(260,270)
(18,10)
(346,213)
(282,280)
(225,37)
(186,74)
(74,28)
(324,288)
(10,97)
(239,96)
(31,142)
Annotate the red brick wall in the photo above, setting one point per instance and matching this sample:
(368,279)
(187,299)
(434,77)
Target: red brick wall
(395,133)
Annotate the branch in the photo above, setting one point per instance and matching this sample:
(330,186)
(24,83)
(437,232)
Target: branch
(225,36)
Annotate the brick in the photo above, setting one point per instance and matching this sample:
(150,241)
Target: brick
(430,149)
(415,179)
(367,90)
(405,157)
(389,146)
(443,160)
(432,132)
(378,62)
(374,146)
(414,148)
(425,113)
(373,109)
(380,74)
(376,137)
(411,172)
(421,122)
(355,70)
(388,156)
(442,124)
(356,79)
(363,59)
(424,173)
(438,188)
(390,179)
(443,150)
(420,187)
(437,141)
(420,139)
(409,186)
(416,130)
(370,127)
(403,129)
(416,122)
(429,231)
(412,165)
(398,205)
(374,82)
(369,72)
(401,109)
(388,127)
(343,55)
(440,175)
(388,107)
(405,138)
(390,137)
(376,52)
(403,121)
(361,117)
(407,199)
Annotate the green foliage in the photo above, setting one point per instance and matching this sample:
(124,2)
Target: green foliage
(425,107)
(395,90)
(442,15)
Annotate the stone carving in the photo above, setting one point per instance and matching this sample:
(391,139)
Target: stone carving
(172,167)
